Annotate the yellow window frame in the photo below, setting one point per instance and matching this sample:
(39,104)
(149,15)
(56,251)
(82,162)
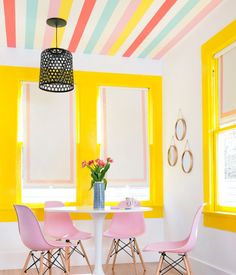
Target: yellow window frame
(87,91)
(214,215)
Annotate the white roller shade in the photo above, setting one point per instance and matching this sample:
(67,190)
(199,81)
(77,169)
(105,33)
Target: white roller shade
(49,137)
(227,86)
(124,135)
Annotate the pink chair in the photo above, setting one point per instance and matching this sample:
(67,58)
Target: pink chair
(60,226)
(32,237)
(177,247)
(125,226)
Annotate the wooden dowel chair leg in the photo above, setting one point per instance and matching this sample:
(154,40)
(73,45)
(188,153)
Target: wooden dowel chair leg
(133,255)
(85,255)
(160,265)
(26,263)
(67,257)
(139,254)
(109,254)
(64,263)
(187,265)
(116,249)
(50,262)
(41,264)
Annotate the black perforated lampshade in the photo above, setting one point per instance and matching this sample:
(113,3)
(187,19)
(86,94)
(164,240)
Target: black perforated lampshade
(56,71)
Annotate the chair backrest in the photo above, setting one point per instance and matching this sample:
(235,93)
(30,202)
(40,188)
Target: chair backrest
(129,224)
(192,238)
(29,229)
(57,225)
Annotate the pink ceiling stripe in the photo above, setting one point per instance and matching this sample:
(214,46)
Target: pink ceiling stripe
(120,26)
(81,24)
(203,13)
(10,22)
(150,26)
(49,31)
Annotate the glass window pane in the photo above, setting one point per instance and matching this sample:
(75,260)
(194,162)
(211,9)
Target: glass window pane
(227,168)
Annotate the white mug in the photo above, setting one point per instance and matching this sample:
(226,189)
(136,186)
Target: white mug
(130,202)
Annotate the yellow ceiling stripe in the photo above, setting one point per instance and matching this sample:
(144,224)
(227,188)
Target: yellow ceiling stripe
(64,12)
(141,10)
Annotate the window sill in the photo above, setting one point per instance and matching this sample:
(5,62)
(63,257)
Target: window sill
(220,220)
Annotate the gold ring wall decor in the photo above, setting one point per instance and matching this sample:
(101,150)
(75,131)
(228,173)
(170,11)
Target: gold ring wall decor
(180,129)
(172,154)
(187,159)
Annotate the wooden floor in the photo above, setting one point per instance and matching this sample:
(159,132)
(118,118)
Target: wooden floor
(120,269)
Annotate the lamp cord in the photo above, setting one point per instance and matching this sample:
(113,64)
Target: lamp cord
(56,34)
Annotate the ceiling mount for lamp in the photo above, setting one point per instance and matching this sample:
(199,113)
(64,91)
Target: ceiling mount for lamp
(56,65)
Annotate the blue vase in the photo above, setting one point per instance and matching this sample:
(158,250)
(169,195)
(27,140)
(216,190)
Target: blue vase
(98,195)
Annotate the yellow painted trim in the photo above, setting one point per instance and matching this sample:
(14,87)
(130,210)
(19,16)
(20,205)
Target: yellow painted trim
(212,217)
(220,220)
(227,128)
(87,86)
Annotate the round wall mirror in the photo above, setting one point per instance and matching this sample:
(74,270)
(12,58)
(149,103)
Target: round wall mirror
(187,161)
(172,155)
(180,129)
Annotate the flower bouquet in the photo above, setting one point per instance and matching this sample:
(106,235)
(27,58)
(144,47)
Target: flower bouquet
(98,169)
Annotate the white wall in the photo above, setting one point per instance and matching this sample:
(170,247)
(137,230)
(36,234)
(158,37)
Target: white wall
(215,250)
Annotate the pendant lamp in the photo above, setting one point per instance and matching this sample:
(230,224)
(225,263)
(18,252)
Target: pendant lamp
(56,65)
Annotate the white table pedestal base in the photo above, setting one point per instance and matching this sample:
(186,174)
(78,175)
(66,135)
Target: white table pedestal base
(98,219)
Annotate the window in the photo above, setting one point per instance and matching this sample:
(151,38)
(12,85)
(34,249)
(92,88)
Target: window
(226,135)
(219,129)
(47,134)
(124,138)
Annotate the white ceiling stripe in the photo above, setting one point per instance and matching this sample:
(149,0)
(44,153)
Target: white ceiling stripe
(179,27)
(162,24)
(111,24)
(3,38)
(93,20)
(71,23)
(20,23)
(140,26)
(42,16)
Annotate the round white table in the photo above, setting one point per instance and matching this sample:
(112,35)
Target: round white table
(98,218)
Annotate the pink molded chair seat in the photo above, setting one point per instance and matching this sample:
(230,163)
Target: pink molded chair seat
(125,226)
(181,247)
(171,247)
(33,238)
(60,226)
(77,235)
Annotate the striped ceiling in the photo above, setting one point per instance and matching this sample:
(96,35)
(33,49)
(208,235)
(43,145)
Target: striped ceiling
(129,28)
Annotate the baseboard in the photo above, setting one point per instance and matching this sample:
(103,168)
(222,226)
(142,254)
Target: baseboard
(204,268)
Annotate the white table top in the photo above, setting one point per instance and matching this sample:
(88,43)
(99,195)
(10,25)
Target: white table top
(90,209)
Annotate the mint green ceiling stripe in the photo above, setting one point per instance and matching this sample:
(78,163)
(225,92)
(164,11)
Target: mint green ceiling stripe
(180,15)
(31,15)
(102,22)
